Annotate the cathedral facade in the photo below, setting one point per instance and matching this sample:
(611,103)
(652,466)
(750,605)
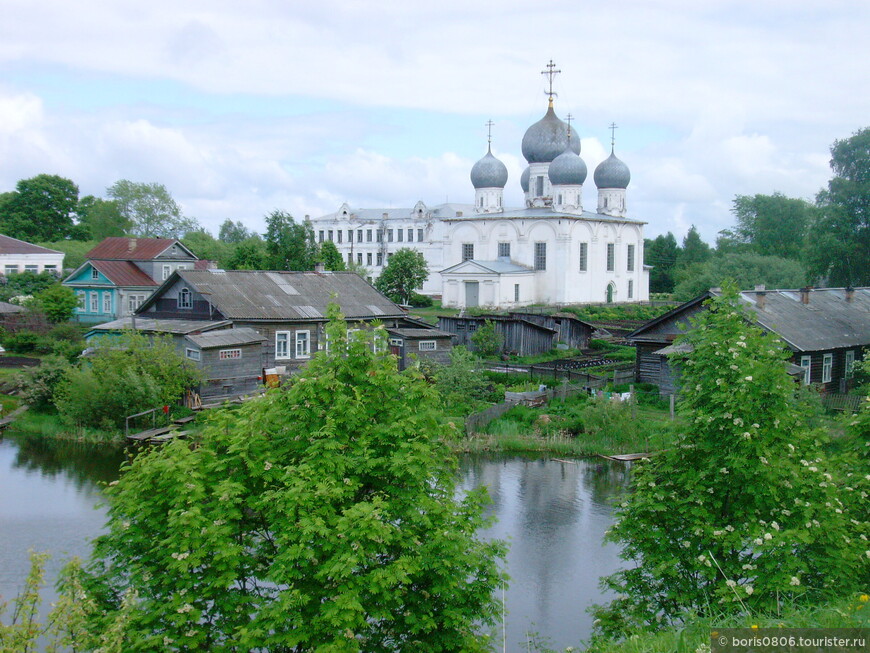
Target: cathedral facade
(550,251)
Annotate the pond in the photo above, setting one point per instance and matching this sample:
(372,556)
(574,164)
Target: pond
(553,513)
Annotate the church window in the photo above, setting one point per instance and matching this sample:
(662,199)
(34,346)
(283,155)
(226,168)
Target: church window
(339,233)
(504,250)
(629,264)
(467,251)
(359,258)
(389,235)
(380,259)
(419,235)
(329,235)
(410,235)
(400,235)
(369,258)
(611,255)
(584,257)
(539,186)
(379,235)
(540,256)
(320,236)
(368,235)
(499,201)
(516,292)
(630,288)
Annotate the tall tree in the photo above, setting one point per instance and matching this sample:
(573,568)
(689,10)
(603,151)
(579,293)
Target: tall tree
(746,269)
(333,527)
(206,246)
(661,253)
(838,248)
(405,272)
(102,218)
(331,257)
(151,210)
(40,208)
(233,232)
(694,250)
(289,244)
(773,225)
(249,254)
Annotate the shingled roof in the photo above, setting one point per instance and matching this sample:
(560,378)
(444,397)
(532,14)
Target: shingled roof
(256,295)
(133,249)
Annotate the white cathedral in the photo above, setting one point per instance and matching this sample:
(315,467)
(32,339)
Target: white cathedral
(550,251)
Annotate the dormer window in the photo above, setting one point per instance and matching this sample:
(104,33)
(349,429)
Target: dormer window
(95,274)
(184,299)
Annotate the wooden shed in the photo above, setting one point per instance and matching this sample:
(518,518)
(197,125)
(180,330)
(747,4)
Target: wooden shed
(429,344)
(521,336)
(231,360)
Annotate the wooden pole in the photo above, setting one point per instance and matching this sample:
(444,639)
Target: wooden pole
(673,413)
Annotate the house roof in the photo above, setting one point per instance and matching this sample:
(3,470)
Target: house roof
(176,327)
(490,267)
(7,308)
(123,273)
(415,334)
(542,212)
(258,295)
(827,321)
(133,249)
(226,338)
(9,245)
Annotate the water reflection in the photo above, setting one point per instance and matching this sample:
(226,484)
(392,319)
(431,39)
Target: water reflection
(554,514)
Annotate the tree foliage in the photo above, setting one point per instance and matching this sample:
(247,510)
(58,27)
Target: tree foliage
(331,257)
(406,271)
(661,253)
(745,269)
(25,284)
(694,250)
(233,232)
(249,254)
(207,247)
(839,245)
(744,513)
(102,218)
(40,208)
(57,302)
(150,210)
(289,244)
(772,225)
(487,340)
(323,516)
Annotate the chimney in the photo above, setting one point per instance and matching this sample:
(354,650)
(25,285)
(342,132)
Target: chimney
(459,214)
(850,294)
(760,298)
(386,215)
(319,267)
(131,244)
(805,295)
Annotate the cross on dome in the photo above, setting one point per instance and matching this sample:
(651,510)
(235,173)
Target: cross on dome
(551,72)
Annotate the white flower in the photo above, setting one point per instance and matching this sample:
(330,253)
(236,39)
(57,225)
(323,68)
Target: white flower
(763,460)
(724,470)
(267,466)
(774,525)
(768,536)
(790,446)
(795,581)
(730,583)
(759,541)
(185,608)
(729,528)
(749,589)
(686,545)
(749,378)
(734,367)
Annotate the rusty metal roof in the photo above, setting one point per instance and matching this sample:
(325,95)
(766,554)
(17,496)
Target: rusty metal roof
(9,245)
(133,249)
(226,338)
(123,273)
(298,296)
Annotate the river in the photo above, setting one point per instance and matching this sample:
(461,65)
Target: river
(553,514)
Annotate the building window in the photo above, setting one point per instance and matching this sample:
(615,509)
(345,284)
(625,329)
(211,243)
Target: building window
(31,268)
(467,251)
(282,348)
(611,256)
(107,302)
(320,236)
(540,256)
(229,354)
(303,344)
(827,367)
(329,235)
(410,235)
(379,235)
(428,345)
(167,270)
(340,234)
(389,235)
(396,342)
(350,235)
(504,250)
(848,372)
(380,259)
(50,268)
(349,259)
(539,186)
(516,292)
(95,301)
(95,273)
(559,198)
(419,235)
(368,258)
(806,364)
(359,258)
(80,295)
(629,263)
(584,257)
(184,299)
(400,235)
(481,201)
(193,354)
(368,235)
(630,288)
(359,235)
(134,302)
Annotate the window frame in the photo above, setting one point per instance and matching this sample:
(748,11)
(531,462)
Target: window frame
(611,257)
(827,367)
(467,251)
(630,289)
(807,366)
(849,364)
(540,261)
(81,295)
(285,341)
(94,301)
(230,354)
(427,347)
(629,261)
(193,354)
(583,257)
(107,302)
(185,299)
(95,273)
(504,249)
(302,336)
(137,298)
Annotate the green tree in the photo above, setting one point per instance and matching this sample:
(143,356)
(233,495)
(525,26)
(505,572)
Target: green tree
(249,254)
(150,210)
(743,513)
(838,248)
(661,253)
(207,247)
(74,250)
(487,340)
(25,284)
(406,271)
(745,269)
(330,257)
(323,516)
(773,225)
(57,302)
(233,232)
(40,208)
(694,250)
(289,244)
(102,218)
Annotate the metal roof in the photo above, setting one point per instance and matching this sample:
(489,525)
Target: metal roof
(226,338)
(438,211)
(496,267)
(133,249)
(178,327)
(540,212)
(6,308)
(9,245)
(420,333)
(123,273)
(257,295)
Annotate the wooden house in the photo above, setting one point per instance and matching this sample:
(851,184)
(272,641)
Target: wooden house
(826,330)
(121,273)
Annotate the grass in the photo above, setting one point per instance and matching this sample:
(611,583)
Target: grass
(694,635)
(52,426)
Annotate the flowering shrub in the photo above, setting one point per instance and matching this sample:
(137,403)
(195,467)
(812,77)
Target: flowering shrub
(744,513)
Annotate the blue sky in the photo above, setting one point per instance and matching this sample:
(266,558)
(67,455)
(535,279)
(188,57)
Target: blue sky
(239,109)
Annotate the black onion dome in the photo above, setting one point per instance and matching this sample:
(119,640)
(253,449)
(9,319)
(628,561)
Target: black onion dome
(524,179)
(547,139)
(489,172)
(612,173)
(567,169)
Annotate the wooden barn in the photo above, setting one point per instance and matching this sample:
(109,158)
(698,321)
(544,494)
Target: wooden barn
(231,360)
(420,343)
(826,329)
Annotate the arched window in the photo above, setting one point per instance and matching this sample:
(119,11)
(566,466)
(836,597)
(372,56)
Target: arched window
(611,291)
(184,299)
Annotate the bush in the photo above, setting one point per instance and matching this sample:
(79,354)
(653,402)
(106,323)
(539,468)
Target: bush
(22,342)
(420,301)
(38,385)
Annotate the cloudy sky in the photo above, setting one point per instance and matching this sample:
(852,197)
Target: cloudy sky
(241,108)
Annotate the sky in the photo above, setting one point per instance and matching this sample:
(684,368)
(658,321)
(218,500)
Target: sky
(243,108)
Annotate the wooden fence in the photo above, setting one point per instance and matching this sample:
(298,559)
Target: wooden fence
(844,403)
(616,376)
(478,421)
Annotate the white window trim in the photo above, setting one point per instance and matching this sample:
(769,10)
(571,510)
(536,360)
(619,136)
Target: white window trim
(827,367)
(95,273)
(184,293)
(107,302)
(807,365)
(849,370)
(286,354)
(192,354)
(306,340)
(229,354)
(94,301)
(428,345)
(83,301)
(167,270)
